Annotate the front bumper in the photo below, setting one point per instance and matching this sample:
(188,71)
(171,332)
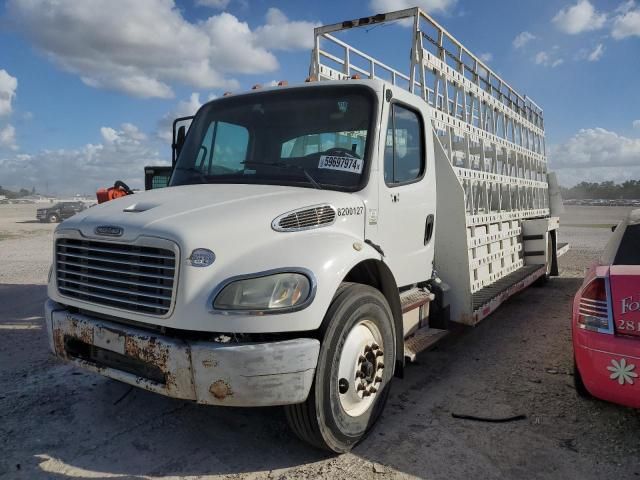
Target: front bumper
(232,374)
(609,366)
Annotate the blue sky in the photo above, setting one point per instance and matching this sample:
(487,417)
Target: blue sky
(88,87)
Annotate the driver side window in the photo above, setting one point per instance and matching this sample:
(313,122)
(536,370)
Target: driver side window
(404,148)
(224,146)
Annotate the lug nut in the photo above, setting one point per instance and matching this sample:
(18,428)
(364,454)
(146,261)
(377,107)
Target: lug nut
(373,389)
(381,365)
(360,387)
(378,379)
(379,353)
(367,349)
(374,346)
(361,358)
(359,374)
(366,393)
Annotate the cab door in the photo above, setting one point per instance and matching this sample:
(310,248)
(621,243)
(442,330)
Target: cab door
(407,192)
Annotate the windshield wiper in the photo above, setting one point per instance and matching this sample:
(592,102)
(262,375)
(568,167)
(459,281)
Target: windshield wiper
(284,166)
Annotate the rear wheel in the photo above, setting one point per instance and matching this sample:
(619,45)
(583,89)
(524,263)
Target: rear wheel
(355,367)
(53,218)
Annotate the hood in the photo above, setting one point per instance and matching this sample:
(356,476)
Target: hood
(206,212)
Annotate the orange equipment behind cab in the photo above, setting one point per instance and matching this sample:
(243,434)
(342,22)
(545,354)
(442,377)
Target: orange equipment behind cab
(119,189)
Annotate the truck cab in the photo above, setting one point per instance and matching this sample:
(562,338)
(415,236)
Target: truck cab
(292,258)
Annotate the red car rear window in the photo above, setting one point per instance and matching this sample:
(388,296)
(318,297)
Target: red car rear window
(629,250)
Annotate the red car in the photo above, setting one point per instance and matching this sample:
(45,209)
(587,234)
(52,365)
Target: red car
(606,320)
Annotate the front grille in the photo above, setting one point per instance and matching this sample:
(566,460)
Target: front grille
(305,219)
(130,277)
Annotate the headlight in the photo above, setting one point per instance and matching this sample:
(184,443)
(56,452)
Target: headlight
(279,291)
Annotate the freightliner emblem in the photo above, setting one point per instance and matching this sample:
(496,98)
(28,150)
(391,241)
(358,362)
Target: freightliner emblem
(109,230)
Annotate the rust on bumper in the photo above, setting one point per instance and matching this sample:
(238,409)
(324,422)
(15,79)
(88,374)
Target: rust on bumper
(256,374)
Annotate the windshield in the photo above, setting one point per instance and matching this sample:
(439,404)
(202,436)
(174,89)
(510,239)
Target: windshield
(310,137)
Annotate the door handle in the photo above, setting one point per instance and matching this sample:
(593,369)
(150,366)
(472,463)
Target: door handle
(428,228)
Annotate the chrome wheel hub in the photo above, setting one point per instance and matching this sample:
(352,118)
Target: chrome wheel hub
(361,368)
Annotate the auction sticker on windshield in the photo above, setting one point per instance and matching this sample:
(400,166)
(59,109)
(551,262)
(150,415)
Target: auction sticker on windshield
(344,164)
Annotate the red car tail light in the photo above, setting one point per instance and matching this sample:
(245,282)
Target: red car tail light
(593,310)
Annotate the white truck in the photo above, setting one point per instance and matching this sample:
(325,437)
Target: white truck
(292,259)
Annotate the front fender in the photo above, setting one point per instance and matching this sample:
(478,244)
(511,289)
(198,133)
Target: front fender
(329,255)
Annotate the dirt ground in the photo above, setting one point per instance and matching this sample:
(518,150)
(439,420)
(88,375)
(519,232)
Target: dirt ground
(60,422)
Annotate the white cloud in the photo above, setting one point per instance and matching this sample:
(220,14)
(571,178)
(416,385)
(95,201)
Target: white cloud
(486,57)
(626,6)
(548,59)
(597,147)
(597,53)
(522,39)
(578,18)
(281,34)
(185,108)
(8,87)
(219,4)
(596,154)
(626,25)
(8,137)
(144,48)
(429,6)
(541,58)
(636,124)
(122,154)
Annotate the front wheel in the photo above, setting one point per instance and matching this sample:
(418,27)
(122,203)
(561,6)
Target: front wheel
(354,371)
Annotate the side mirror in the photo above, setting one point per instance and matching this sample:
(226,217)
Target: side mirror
(182,134)
(179,136)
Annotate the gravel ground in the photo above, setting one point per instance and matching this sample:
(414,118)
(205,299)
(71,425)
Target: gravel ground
(59,422)
(25,245)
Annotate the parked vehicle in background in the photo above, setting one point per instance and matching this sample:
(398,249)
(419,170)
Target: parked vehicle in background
(60,211)
(606,320)
(603,203)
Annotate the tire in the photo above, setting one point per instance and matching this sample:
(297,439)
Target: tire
(333,418)
(53,218)
(581,390)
